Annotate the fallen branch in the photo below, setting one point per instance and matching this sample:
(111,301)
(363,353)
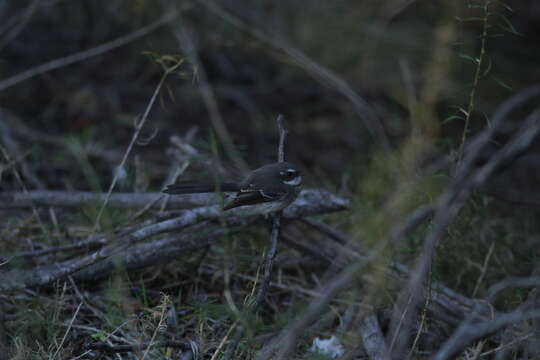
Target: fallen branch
(468,332)
(123,248)
(16,199)
(373,338)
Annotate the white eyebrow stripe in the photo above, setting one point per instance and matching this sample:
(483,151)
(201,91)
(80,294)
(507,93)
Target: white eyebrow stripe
(250,187)
(291,170)
(296,181)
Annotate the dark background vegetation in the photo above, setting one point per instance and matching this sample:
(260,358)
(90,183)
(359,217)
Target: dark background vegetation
(413,62)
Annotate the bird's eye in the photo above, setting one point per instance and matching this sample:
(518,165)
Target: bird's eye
(290,173)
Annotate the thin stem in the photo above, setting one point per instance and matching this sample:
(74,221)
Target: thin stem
(134,138)
(476,80)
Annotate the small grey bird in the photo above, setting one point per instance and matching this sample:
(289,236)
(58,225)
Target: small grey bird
(267,189)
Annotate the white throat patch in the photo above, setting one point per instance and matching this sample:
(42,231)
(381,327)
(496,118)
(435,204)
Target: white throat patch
(294,182)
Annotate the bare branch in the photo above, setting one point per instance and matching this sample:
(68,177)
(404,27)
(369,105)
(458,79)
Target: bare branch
(270,255)
(282,135)
(372,337)
(469,332)
(308,199)
(134,137)
(135,256)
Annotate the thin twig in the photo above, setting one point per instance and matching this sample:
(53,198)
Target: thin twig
(24,18)
(134,138)
(268,262)
(270,255)
(373,338)
(162,316)
(67,331)
(311,198)
(276,224)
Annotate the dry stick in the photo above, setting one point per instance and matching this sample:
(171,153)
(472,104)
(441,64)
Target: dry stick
(276,222)
(12,21)
(104,261)
(268,262)
(373,338)
(449,205)
(269,259)
(506,346)
(16,199)
(67,331)
(469,332)
(83,55)
(282,135)
(138,129)
(309,203)
(493,291)
(16,30)
(325,76)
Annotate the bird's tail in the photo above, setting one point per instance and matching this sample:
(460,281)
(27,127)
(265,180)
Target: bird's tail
(192,187)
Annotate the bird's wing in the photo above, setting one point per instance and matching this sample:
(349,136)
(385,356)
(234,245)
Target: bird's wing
(250,198)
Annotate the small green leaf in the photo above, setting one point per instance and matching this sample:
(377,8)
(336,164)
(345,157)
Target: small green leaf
(468,57)
(502,83)
(100,336)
